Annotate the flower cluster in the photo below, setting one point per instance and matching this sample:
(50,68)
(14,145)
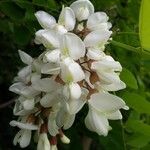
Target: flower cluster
(71,72)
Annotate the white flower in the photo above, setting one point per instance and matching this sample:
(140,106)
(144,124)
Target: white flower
(65,139)
(82,9)
(72,46)
(23,137)
(71,71)
(103,106)
(66,21)
(97,39)
(64,119)
(54,147)
(98,21)
(43,142)
(106,69)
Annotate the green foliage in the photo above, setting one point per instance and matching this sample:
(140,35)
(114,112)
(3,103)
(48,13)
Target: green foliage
(17,28)
(144,24)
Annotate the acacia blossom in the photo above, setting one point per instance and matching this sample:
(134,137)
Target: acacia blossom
(73,71)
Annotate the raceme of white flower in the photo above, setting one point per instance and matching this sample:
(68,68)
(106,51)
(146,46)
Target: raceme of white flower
(73,71)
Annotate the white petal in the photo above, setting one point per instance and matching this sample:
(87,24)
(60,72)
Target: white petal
(60,29)
(43,142)
(21,125)
(97,122)
(50,68)
(105,102)
(38,36)
(35,77)
(29,92)
(73,46)
(82,9)
(27,59)
(97,38)
(98,20)
(106,64)
(17,87)
(52,127)
(114,116)
(75,105)
(45,20)
(64,119)
(67,18)
(50,39)
(45,85)
(54,147)
(17,137)
(52,56)
(71,71)
(75,90)
(28,104)
(24,74)
(25,138)
(115,86)
(87,79)
(95,54)
(50,99)
(64,139)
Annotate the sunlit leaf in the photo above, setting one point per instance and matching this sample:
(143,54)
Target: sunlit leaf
(144,24)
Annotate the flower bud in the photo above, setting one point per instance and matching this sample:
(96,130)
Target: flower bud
(65,139)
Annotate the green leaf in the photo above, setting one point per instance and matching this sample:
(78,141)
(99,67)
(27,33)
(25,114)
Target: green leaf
(138,140)
(139,127)
(22,35)
(137,102)
(12,10)
(144,24)
(128,78)
(115,138)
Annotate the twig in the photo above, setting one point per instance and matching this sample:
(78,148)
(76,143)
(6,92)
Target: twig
(7,104)
(86,142)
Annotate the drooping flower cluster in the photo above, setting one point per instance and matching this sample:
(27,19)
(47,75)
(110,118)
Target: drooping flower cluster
(71,72)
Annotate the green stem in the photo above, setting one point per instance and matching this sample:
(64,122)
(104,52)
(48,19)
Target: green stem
(130,48)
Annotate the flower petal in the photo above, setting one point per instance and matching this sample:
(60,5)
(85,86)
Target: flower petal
(67,18)
(64,119)
(75,105)
(71,71)
(50,39)
(28,104)
(50,68)
(50,99)
(97,122)
(97,21)
(25,73)
(27,59)
(45,85)
(105,102)
(73,46)
(25,138)
(115,86)
(21,125)
(75,90)
(43,142)
(95,54)
(52,56)
(97,38)
(82,9)
(45,20)
(114,116)
(52,127)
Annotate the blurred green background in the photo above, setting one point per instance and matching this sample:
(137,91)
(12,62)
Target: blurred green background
(17,27)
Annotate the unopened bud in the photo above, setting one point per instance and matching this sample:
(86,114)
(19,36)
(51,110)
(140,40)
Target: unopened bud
(54,147)
(65,139)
